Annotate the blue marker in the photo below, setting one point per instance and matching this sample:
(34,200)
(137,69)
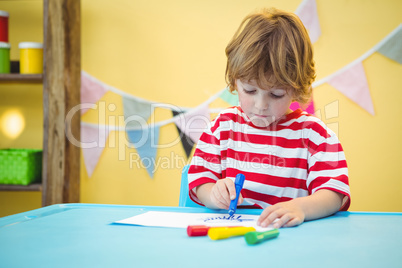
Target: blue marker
(239,181)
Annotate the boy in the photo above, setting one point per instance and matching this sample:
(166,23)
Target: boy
(294,166)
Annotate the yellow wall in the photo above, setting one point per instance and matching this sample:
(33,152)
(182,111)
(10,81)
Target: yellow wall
(173,52)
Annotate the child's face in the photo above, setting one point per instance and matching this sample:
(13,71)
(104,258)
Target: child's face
(263,105)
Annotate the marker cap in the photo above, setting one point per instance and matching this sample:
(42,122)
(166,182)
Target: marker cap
(197,230)
(257,237)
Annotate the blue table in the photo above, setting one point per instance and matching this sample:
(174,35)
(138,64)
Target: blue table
(83,235)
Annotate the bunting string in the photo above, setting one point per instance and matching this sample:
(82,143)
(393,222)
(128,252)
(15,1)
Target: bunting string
(397,32)
(174,119)
(350,80)
(232,98)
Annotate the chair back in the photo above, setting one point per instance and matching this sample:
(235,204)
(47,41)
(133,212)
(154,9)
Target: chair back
(184,200)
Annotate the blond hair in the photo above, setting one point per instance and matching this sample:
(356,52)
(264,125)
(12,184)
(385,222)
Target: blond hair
(273,48)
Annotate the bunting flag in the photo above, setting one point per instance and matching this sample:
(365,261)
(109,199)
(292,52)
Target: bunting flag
(393,47)
(145,141)
(193,123)
(309,108)
(93,142)
(352,82)
(91,90)
(231,98)
(136,113)
(307,12)
(186,141)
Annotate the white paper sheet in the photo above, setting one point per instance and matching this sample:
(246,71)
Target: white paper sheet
(182,220)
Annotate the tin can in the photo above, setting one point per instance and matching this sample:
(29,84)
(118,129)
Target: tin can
(31,57)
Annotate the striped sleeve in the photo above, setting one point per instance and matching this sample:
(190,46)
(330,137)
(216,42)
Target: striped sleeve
(205,165)
(327,163)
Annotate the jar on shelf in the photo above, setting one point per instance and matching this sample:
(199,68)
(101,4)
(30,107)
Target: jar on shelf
(4,26)
(31,57)
(4,58)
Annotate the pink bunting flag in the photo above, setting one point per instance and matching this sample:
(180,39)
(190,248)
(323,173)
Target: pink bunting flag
(309,108)
(93,142)
(352,82)
(307,12)
(91,90)
(194,122)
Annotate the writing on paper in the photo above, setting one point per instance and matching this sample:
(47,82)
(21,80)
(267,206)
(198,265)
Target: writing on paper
(182,219)
(236,218)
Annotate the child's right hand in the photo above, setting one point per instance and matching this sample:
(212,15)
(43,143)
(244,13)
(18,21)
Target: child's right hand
(223,192)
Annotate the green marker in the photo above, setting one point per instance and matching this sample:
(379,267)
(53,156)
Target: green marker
(257,237)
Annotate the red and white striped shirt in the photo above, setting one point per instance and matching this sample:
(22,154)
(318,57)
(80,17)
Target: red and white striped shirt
(293,157)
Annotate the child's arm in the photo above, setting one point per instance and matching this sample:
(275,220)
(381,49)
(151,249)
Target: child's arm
(219,194)
(294,212)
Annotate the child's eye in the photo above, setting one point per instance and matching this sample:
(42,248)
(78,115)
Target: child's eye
(251,92)
(276,96)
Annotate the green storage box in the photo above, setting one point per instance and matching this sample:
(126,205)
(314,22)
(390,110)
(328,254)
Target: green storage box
(20,166)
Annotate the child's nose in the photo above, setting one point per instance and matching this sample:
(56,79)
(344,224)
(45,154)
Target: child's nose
(261,102)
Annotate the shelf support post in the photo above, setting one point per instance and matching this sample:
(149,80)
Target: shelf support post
(61,94)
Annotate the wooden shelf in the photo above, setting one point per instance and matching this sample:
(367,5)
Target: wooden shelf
(30,188)
(28,78)
(61,93)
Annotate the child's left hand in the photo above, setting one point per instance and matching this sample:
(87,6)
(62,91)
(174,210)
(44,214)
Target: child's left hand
(288,214)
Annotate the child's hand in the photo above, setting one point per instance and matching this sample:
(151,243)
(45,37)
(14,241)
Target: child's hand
(288,214)
(223,192)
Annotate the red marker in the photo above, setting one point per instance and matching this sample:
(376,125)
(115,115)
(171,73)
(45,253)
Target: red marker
(201,230)
(197,230)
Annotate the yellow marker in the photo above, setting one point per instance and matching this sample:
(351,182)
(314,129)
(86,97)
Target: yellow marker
(216,233)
